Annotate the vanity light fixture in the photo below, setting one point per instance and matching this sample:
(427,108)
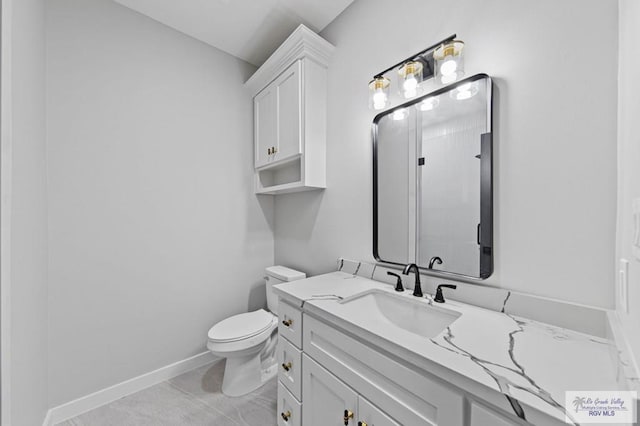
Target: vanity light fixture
(443,60)
(449,60)
(378,92)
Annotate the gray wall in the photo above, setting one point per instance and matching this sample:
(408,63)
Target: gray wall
(28,361)
(155,233)
(628,160)
(555,124)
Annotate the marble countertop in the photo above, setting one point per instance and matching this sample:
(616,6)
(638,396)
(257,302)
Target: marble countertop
(529,362)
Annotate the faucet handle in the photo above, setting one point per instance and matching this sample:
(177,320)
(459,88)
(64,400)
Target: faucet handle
(398,281)
(439,296)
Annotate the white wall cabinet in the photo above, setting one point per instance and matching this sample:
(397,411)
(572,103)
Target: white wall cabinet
(289,97)
(277,118)
(266,127)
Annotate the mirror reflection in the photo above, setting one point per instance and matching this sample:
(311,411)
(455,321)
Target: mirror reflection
(432,181)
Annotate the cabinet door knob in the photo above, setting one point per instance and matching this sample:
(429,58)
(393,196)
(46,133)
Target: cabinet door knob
(348,414)
(287,323)
(269,151)
(285,416)
(362,423)
(286,366)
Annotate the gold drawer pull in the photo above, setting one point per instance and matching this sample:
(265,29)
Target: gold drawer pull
(286,366)
(348,414)
(288,322)
(286,415)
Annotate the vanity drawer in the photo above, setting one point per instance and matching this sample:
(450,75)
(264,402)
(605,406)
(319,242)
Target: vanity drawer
(405,395)
(290,323)
(290,367)
(289,409)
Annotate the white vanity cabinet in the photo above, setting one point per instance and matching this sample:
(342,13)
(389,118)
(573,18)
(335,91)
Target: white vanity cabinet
(290,102)
(330,377)
(342,357)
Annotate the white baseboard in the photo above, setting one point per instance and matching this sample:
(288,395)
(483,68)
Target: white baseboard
(89,402)
(47,420)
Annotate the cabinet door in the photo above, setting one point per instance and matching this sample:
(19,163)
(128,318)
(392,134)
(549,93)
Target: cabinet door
(289,90)
(411,398)
(325,397)
(370,415)
(265,124)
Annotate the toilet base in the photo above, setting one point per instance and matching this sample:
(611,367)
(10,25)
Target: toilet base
(245,374)
(250,362)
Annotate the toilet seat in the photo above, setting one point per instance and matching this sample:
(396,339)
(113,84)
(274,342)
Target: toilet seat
(242,326)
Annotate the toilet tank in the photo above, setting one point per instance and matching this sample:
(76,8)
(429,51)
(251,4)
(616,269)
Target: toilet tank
(277,275)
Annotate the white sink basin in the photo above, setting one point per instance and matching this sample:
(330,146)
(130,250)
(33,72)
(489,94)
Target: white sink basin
(378,308)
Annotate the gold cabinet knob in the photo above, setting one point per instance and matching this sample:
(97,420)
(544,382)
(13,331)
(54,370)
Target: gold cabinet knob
(362,423)
(348,414)
(287,323)
(285,416)
(286,366)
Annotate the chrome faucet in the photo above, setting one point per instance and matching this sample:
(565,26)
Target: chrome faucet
(434,259)
(417,290)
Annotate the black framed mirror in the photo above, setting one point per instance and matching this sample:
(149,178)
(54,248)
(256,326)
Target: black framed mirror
(432,181)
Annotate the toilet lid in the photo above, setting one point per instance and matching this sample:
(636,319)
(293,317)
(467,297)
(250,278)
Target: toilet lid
(241,326)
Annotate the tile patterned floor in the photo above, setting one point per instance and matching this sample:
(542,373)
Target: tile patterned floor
(194,398)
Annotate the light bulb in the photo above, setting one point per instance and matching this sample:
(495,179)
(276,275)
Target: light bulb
(409,78)
(379,99)
(449,66)
(410,86)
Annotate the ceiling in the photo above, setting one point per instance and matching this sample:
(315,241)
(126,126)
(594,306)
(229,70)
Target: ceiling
(248,29)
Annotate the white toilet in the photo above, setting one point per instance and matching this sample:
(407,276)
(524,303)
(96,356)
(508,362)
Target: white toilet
(248,341)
